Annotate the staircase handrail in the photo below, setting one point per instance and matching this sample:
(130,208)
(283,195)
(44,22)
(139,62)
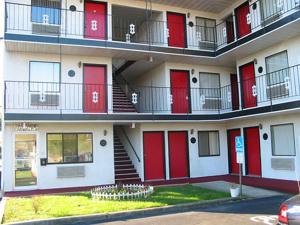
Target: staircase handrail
(127,138)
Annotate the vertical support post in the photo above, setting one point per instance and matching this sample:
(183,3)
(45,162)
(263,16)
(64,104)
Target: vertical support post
(240,179)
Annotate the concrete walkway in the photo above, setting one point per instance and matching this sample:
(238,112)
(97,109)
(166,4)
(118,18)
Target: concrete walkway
(247,190)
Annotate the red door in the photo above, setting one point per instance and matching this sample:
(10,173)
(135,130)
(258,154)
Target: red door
(180,91)
(95,15)
(178,154)
(234,92)
(233,165)
(248,83)
(95,93)
(230,30)
(252,148)
(177,31)
(154,158)
(242,12)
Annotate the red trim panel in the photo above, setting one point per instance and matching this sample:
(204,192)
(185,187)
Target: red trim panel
(154,158)
(178,154)
(234,166)
(234,92)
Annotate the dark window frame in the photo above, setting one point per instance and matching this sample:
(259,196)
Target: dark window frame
(219,149)
(60,163)
(272,138)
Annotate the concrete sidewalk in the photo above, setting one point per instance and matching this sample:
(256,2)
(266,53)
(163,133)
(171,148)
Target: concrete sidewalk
(247,190)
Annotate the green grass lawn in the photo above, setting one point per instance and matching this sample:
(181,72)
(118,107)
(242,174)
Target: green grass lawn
(50,206)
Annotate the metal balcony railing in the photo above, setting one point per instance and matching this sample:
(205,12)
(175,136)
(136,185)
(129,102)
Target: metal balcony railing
(269,89)
(28,19)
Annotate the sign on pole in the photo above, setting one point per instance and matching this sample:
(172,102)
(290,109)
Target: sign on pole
(239,148)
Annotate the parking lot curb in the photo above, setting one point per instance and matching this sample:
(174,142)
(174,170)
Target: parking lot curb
(96,218)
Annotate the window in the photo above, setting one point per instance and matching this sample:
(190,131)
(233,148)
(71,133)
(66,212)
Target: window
(277,68)
(70,148)
(46,11)
(44,76)
(283,140)
(208,143)
(277,75)
(206,33)
(209,84)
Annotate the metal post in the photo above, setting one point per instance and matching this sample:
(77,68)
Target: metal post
(240,179)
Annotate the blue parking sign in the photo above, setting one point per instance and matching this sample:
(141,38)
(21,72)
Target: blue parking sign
(239,144)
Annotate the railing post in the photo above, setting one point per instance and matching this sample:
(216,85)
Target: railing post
(151,92)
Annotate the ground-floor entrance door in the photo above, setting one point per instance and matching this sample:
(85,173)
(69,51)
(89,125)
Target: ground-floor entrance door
(252,151)
(233,165)
(154,155)
(178,154)
(25,160)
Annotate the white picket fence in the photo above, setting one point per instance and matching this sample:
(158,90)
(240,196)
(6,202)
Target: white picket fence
(133,191)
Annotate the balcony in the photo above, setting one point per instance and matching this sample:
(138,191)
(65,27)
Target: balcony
(277,90)
(134,30)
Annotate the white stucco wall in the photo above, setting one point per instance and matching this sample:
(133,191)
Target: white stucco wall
(100,172)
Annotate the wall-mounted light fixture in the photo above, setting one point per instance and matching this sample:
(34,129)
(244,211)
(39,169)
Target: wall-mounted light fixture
(192,131)
(261,126)
(255,61)
(133,125)
(193,71)
(188,15)
(79,64)
(150,59)
(105,132)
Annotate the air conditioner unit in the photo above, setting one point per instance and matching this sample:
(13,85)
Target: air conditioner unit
(40,99)
(49,29)
(277,91)
(207,45)
(212,103)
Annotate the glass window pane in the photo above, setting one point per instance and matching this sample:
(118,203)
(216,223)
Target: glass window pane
(45,11)
(283,142)
(203,139)
(25,160)
(44,76)
(70,148)
(276,66)
(85,147)
(54,143)
(214,143)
